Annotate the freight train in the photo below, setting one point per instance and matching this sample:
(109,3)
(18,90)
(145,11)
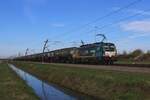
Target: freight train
(96,53)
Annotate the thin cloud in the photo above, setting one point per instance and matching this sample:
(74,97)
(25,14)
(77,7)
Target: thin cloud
(138,29)
(137,26)
(138,36)
(28,8)
(35,2)
(133,11)
(130,39)
(29,14)
(136,11)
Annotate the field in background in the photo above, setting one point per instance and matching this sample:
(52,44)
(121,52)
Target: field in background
(135,57)
(109,85)
(131,62)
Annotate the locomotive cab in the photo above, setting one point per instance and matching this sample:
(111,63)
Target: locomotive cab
(109,53)
(99,52)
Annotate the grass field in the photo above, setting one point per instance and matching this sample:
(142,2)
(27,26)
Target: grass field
(108,85)
(12,87)
(131,62)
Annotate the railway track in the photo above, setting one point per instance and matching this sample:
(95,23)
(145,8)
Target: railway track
(133,65)
(140,68)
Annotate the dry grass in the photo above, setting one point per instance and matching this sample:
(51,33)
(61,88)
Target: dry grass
(109,85)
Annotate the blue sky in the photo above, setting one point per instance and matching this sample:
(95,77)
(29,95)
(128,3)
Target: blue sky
(27,23)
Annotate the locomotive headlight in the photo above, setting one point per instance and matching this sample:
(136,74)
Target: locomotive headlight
(110,53)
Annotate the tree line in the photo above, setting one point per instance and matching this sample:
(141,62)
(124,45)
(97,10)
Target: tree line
(136,55)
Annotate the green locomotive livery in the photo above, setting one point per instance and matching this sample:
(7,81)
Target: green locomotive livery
(98,53)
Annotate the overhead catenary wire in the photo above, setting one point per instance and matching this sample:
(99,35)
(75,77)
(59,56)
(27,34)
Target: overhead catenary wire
(100,18)
(117,22)
(120,20)
(110,24)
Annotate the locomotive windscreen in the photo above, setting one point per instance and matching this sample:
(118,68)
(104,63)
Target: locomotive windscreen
(109,47)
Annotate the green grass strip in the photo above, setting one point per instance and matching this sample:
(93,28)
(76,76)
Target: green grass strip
(12,87)
(109,85)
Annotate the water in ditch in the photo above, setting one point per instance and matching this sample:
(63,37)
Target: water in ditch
(48,91)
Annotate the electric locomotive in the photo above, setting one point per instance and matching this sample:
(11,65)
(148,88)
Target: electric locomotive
(99,52)
(95,53)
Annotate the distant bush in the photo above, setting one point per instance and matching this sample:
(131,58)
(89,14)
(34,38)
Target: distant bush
(136,55)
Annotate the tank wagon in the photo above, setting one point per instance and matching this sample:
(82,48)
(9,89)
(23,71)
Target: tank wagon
(97,53)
